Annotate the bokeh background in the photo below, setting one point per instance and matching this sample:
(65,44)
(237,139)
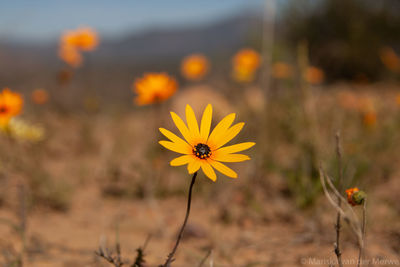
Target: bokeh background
(83,167)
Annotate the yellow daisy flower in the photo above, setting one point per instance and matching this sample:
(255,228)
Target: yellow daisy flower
(203,149)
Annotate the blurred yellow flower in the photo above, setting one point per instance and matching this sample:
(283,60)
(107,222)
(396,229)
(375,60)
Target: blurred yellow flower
(24,131)
(40,96)
(314,75)
(245,63)
(153,88)
(390,59)
(203,149)
(10,106)
(84,38)
(282,70)
(70,55)
(194,67)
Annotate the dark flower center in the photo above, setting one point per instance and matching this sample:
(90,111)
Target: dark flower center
(202,151)
(3,109)
(157,98)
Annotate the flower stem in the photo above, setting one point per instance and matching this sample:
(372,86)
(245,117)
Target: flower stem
(339,201)
(171,255)
(364,222)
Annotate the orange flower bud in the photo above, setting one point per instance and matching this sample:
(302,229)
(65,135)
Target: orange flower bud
(355,196)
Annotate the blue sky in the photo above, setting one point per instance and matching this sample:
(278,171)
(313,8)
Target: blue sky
(44,20)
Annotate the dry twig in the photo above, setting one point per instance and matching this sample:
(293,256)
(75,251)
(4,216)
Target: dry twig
(205,258)
(106,254)
(351,220)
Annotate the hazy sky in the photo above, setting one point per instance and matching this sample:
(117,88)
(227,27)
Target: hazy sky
(43,20)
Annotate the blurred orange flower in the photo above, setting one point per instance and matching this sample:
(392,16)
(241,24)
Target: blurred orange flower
(194,67)
(282,70)
(70,55)
(245,63)
(74,41)
(10,105)
(390,59)
(85,39)
(153,88)
(398,99)
(370,118)
(314,75)
(366,107)
(349,193)
(40,96)
(348,100)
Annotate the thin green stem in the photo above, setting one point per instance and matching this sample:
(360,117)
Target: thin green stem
(171,255)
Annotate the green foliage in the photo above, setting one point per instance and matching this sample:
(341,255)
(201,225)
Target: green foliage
(345,36)
(303,178)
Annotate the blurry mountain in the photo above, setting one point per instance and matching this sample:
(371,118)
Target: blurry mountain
(167,45)
(111,69)
(219,37)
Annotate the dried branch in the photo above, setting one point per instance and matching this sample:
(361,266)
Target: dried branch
(105,254)
(354,217)
(353,220)
(139,260)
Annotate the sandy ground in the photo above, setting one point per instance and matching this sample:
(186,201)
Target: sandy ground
(269,232)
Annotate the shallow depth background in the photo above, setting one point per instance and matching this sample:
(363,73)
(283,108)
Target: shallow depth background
(100,172)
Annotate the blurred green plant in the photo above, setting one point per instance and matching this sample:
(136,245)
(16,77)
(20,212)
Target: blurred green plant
(345,36)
